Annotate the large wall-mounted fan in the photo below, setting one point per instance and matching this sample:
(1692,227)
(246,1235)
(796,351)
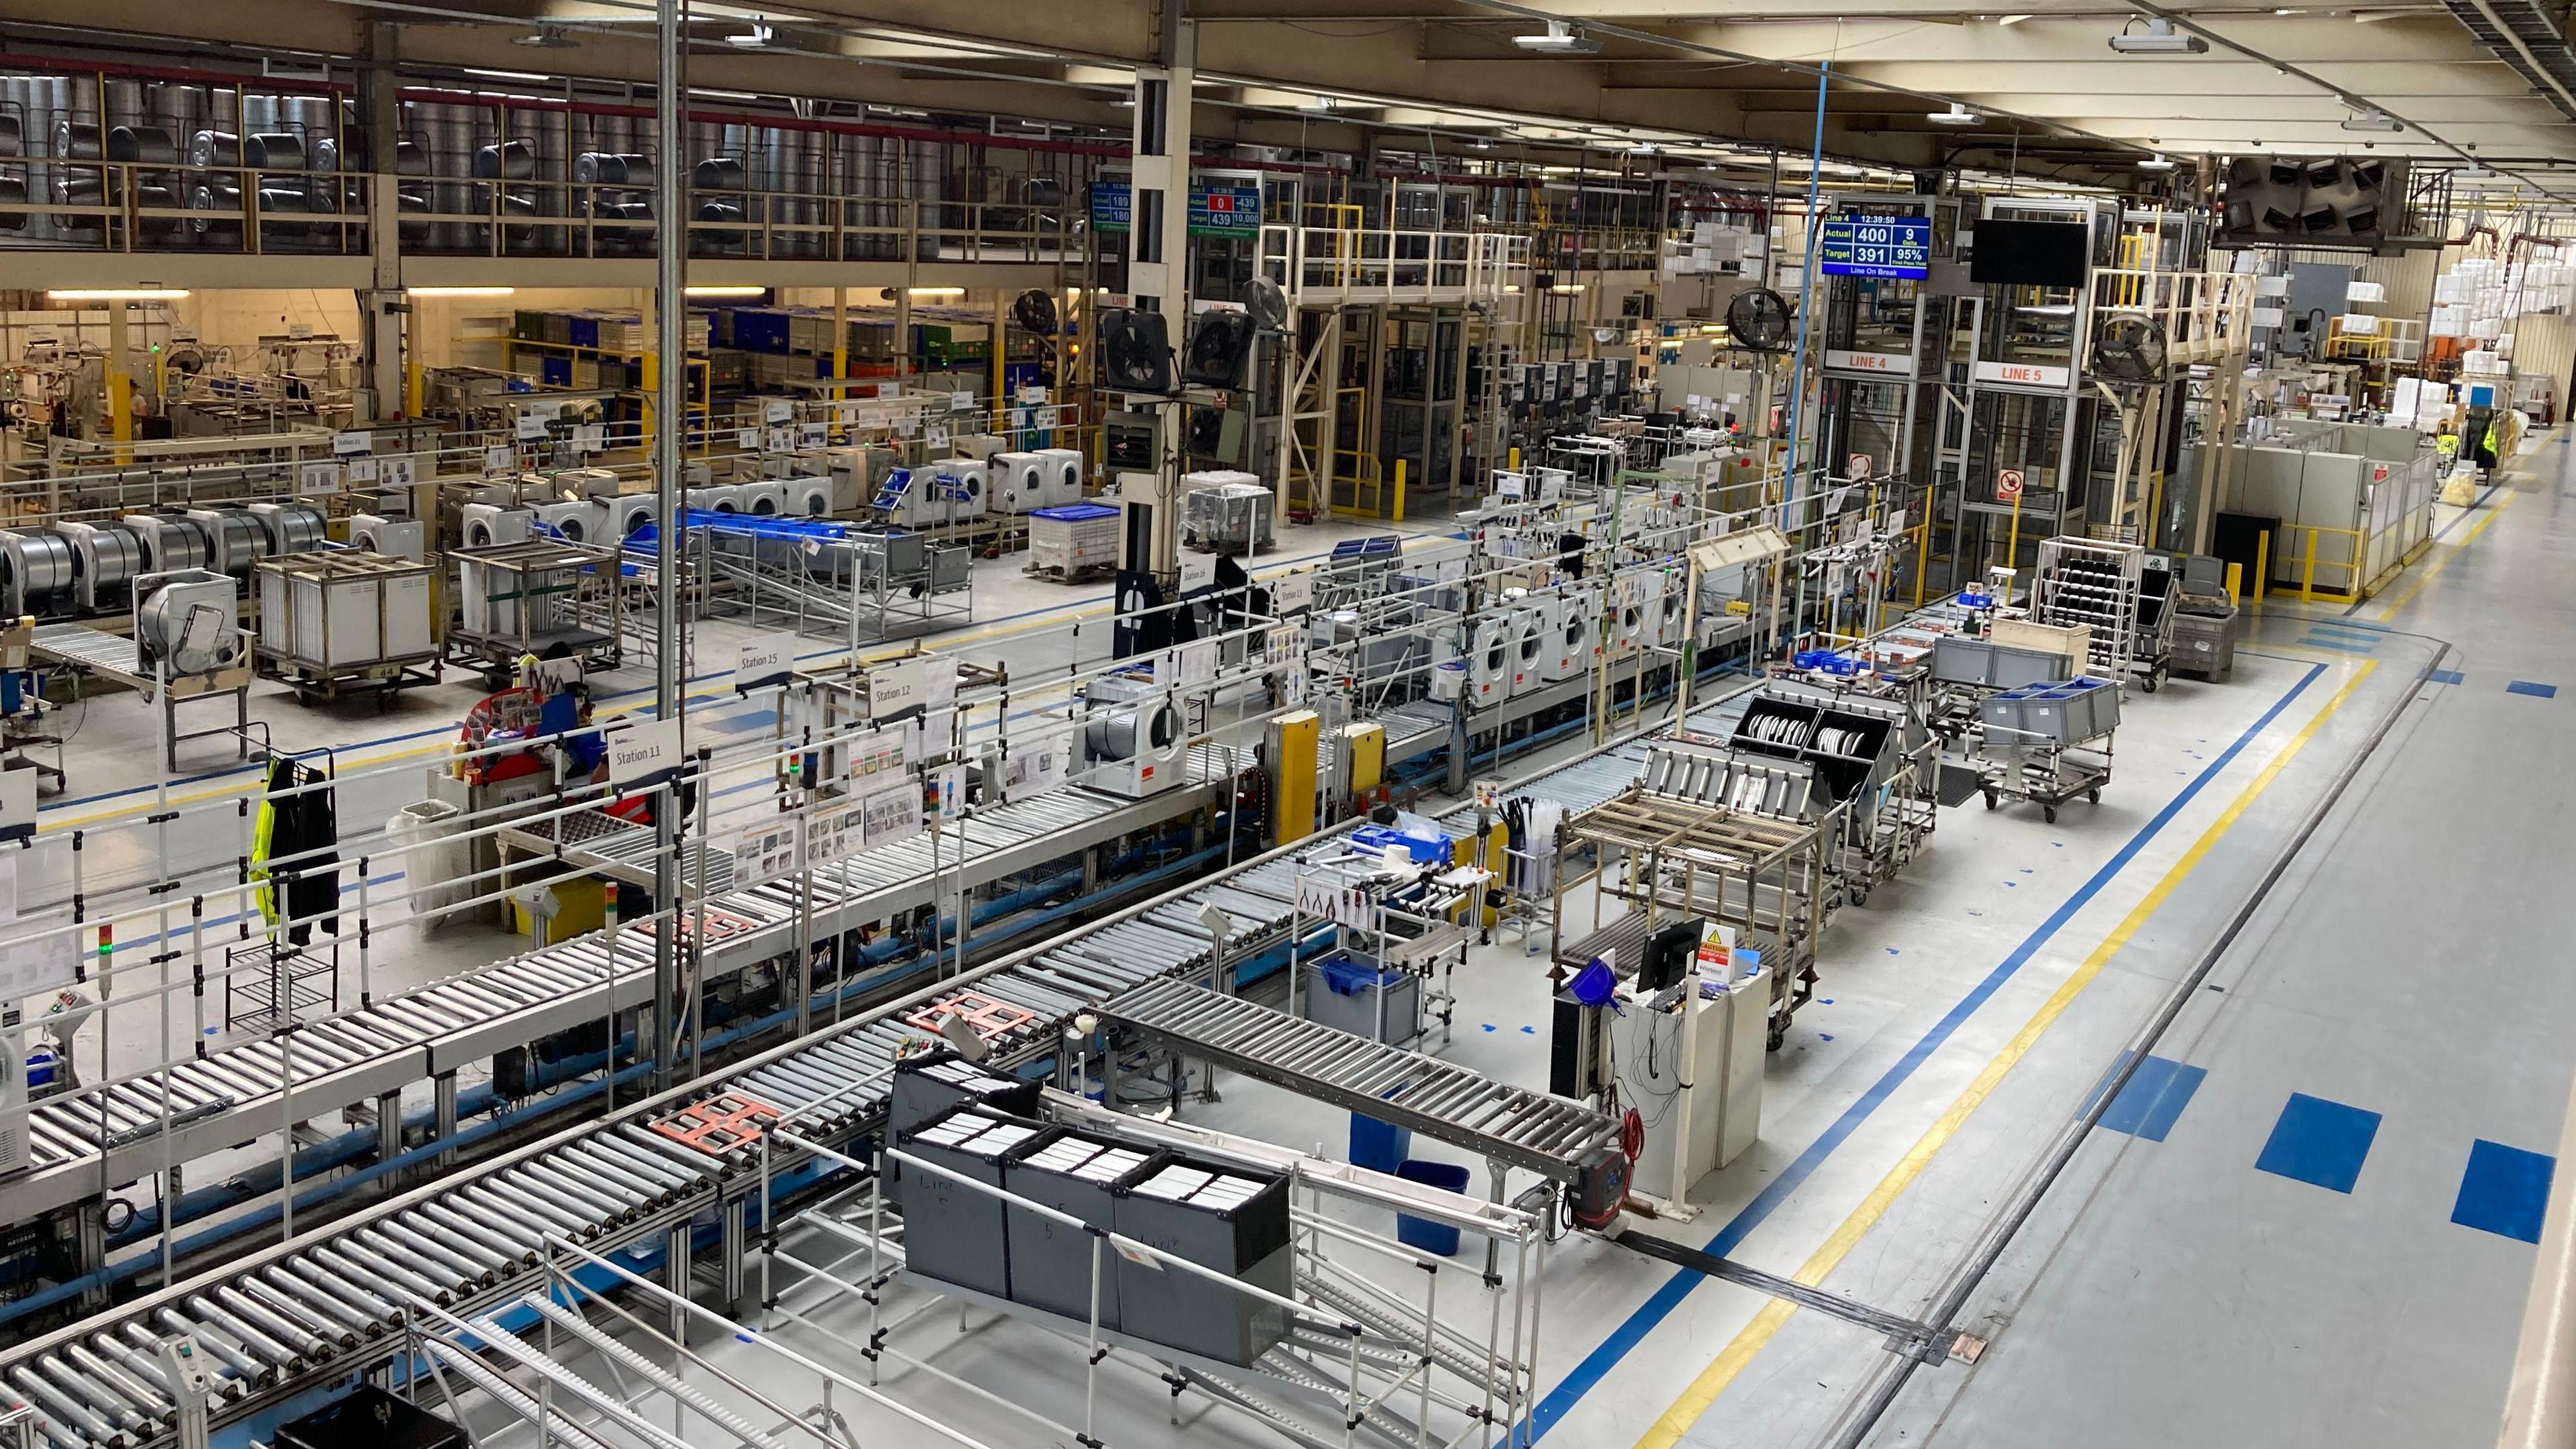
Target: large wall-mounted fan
(2129,347)
(1761,319)
(1034,310)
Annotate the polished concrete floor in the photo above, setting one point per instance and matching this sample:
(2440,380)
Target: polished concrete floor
(2304,1221)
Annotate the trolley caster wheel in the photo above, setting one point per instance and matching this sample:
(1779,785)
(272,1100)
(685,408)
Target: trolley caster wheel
(1778,1034)
(1992,800)
(2048,813)
(2150,682)
(1857,898)
(2093,797)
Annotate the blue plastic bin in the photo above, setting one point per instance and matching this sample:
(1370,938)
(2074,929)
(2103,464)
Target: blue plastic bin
(1423,1233)
(1379,1146)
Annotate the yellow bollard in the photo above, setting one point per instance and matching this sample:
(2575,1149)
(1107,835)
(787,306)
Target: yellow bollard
(2235,579)
(2308,571)
(1516,460)
(2262,564)
(1399,490)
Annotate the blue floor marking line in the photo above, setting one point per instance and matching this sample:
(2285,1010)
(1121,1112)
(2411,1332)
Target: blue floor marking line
(2536,691)
(2337,626)
(1659,1305)
(2319,1142)
(2340,646)
(2504,1190)
(2444,676)
(2151,1101)
(695,679)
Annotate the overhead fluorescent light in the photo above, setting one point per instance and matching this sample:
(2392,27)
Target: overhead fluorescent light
(2010,19)
(752,36)
(2159,38)
(934,291)
(546,37)
(1320,105)
(2474,171)
(516,75)
(715,290)
(722,95)
(458,291)
(117,294)
(1642,148)
(2372,118)
(2158,162)
(1566,289)
(1957,115)
(1558,39)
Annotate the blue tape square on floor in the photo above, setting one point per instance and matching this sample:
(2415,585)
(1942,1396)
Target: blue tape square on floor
(2444,676)
(2153,1097)
(2504,1191)
(2539,691)
(2319,1142)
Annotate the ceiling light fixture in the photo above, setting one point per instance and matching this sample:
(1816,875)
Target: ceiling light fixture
(2158,162)
(935,291)
(752,36)
(2010,19)
(516,75)
(1319,106)
(2160,38)
(117,294)
(722,290)
(458,291)
(1558,39)
(547,37)
(2372,118)
(1957,115)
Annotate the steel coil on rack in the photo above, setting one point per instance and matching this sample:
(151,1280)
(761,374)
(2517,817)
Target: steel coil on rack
(39,561)
(110,555)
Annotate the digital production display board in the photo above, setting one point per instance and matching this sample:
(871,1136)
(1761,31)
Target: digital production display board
(1876,246)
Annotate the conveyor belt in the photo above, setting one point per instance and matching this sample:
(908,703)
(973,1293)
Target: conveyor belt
(90,648)
(1464,1108)
(330,1302)
(231,1097)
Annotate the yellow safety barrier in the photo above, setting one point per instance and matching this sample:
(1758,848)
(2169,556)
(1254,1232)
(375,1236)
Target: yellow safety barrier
(2309,563)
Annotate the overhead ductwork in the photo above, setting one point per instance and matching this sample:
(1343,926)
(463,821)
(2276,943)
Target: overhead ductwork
(2524,35)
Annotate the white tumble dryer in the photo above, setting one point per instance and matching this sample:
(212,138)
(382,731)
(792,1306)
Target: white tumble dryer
(809,497)
(1018,483)
(486,525)
(1630,623)
(1569,635)
(723,498)
(632,512)
(391,537)
(583,522)
(1670,602)
(964,486)
(1063,470)
(1492,649)
(1530,641)
(765,499)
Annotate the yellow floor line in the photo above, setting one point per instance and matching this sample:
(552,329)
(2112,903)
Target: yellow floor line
(1676,1421)
(2439,564)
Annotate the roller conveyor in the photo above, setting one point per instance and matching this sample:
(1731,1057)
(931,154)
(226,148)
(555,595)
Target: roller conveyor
(1464,1108)
(333,1299)
(231,1097)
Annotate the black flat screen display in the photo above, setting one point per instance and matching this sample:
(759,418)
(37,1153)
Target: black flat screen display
(2029,253)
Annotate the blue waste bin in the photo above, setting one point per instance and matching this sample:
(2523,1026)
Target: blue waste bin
(1423,1233)
(1378,1146)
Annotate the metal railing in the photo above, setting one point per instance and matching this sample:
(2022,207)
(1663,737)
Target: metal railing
(1352,264)
(127,207)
